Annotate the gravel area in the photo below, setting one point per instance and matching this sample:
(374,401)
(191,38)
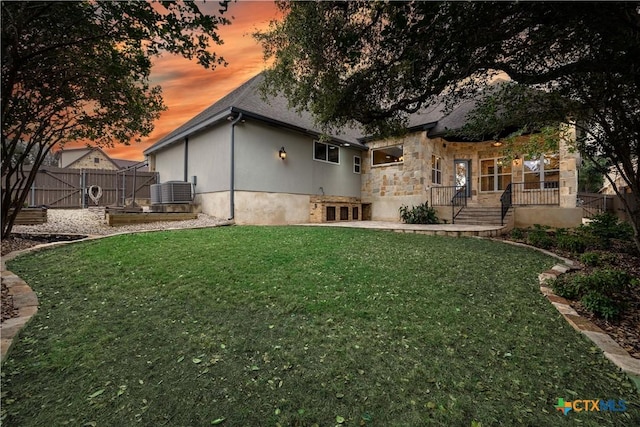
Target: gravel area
(63,223)
(92,222)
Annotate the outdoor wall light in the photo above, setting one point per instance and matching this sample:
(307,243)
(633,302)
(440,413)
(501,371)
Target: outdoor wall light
(516,160)
(282,154)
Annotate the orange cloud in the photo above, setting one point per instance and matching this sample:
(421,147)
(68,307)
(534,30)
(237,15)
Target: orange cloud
(188,88)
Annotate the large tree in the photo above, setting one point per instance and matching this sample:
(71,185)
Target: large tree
(374,63)
(80,71)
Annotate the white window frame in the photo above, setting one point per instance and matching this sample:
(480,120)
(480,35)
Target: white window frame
(436,169)
(357,165)
(391,163)
(543,171)
(327,145)
(496,175)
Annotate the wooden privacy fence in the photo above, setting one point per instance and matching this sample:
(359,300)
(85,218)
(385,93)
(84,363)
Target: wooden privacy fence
(74,188)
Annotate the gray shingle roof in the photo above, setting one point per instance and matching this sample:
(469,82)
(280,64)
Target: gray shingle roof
(248,100)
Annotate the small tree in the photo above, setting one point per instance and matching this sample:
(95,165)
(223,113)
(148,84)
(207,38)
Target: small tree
(80,71)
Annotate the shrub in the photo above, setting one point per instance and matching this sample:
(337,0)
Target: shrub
(572,243)
(601,305)
(602,292)
(591,259)
(539,237)
(606,226)
(517,234)
(421,214)
(568,287)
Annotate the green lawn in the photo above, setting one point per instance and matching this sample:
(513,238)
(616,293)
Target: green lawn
(293,326)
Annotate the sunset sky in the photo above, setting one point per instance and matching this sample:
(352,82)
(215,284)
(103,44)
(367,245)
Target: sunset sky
(188,88)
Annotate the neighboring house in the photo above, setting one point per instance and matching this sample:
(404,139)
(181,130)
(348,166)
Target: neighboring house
(235,144)
(86,158)
(93,158)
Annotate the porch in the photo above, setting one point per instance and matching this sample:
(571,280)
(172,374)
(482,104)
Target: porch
(456,204)
(451,230)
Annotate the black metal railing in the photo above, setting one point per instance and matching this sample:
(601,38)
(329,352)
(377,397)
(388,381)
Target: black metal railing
(506,201)
(529,194)
(454,196)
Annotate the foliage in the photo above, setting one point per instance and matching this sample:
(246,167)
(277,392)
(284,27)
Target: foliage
(79,71)
(590,176)
(312,325)
(575,243)
(421,214)
(601,292)
(606,226)
(539,237)
(517,234)
(591,259)
(375,63)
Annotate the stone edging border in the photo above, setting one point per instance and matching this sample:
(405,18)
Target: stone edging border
(611,349)
(26,301)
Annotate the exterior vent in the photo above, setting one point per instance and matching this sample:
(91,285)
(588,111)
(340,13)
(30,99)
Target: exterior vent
(156,194)
(176,192)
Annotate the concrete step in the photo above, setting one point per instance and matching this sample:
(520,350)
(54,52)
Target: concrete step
(481,215)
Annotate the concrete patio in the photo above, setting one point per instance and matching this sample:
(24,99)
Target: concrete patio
(453,230)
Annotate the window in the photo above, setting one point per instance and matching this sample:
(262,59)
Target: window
(355,212)
(96,160)
(356,164)
(542,171)
(495,174)
(387,155)
(326,152)
(436,170)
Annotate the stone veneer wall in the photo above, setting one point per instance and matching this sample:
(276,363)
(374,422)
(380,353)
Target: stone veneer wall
(318,208)
(88,162)
(387,187)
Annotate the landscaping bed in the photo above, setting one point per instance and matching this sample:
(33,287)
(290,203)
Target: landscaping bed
(606,287)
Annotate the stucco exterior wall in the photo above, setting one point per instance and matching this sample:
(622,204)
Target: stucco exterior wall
(258,167)
(209,159)
(552,216)
(169,163)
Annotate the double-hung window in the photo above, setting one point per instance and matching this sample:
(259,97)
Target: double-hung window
(356,164)
(326,152)
(495,174)
(436,170)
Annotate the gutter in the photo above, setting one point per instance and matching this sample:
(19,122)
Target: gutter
(232,184)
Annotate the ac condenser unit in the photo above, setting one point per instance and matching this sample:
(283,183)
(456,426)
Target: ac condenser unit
(176,192)
(156,194)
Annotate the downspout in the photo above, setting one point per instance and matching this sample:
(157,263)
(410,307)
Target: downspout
(232,184)
(186,159)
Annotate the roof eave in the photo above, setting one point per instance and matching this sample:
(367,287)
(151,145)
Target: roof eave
(189,131)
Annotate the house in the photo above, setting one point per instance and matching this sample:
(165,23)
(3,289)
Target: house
(86,158)
(259,162)
(93,158)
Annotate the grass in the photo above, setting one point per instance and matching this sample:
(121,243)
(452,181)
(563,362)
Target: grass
(293,326)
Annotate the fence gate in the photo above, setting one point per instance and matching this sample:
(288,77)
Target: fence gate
(68,188)
(57,188)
